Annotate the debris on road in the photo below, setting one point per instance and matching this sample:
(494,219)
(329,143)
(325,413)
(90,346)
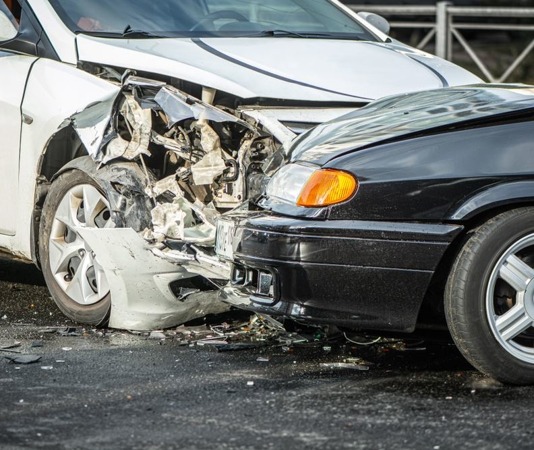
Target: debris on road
(345,365)
(24,359)
(157,335)
(69,331)
(9,348)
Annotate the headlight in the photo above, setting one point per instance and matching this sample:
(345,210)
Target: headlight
(311,187)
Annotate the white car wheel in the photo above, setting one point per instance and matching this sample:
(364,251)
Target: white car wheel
(73,274)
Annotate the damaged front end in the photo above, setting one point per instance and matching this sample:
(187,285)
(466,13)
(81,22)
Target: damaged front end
(169,164)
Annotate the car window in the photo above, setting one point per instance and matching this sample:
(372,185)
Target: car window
(8,24)
(197,18)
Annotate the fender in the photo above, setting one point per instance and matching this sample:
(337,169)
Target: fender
(495,196)
(124,184)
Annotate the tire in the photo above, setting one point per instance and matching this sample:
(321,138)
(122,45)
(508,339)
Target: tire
(489,297)
(76,281)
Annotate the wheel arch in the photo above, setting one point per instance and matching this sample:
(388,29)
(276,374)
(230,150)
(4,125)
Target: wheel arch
(62,149)
(431,312)
(124,183)
(497,196)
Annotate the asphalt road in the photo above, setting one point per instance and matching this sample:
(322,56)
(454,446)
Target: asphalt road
(104,389)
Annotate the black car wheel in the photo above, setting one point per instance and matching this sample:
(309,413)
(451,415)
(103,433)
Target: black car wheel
(489,297)
(76,280)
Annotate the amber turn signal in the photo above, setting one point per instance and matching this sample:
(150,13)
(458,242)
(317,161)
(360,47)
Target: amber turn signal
(327,187)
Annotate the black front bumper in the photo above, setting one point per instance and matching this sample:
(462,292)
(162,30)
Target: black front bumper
(356,274)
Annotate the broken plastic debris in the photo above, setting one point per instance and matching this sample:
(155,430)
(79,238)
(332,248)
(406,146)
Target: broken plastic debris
(48,330)
(70,331)
(250,383)
(341,365)
(157,335)
(24,359)
(8,348)
(211,341)
(235,347)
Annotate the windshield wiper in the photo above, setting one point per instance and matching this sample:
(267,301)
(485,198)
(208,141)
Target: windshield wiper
(276,33)
(127,33)
(304,35)
(132,33)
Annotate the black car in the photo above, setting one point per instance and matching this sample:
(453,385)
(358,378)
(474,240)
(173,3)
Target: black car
(410,214)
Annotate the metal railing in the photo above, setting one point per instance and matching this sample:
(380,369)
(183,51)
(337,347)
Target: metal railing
(447,24)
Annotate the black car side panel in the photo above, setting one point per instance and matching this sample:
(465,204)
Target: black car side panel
(494,196)
(430,178)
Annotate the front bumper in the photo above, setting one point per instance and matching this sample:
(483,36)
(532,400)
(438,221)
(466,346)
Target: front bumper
(356,274)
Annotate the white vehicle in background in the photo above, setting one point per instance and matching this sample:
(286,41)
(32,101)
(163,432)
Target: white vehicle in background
(117,163)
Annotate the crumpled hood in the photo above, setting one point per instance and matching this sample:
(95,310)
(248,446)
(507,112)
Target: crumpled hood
(401,116)
(286,68)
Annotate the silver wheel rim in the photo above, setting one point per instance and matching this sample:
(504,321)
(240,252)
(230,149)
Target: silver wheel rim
(74,265)
(510,300)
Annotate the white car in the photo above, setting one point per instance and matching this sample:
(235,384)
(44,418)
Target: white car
(160,116)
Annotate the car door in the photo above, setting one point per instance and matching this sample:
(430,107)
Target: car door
(14,70)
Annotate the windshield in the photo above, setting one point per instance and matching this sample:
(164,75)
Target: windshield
(207,18)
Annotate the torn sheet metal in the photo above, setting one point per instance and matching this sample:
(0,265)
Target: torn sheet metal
(92,123)
(139,282)
(167,186)
(139,122)
(186,162)
(209,168)
(183,221)
(180,106)
(273,125)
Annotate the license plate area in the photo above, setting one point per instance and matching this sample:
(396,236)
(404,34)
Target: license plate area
(224,239)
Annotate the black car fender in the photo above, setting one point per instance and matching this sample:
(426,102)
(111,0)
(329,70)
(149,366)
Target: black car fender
(496,196)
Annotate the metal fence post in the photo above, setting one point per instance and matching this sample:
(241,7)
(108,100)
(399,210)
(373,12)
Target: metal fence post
(443,29)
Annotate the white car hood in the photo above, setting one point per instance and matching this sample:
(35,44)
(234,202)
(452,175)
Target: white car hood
(285,68)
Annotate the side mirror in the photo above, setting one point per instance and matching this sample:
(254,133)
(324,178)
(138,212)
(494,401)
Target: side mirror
(376,21)
(8,27)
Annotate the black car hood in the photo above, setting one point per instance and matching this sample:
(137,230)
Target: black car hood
(398,117)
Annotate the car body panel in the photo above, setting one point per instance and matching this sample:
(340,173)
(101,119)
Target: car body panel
(434,175)
(52,93)
(395,118)
(460,163)
(10,117)
(62,39)
(142,298)
(511,193)
(267,67)
(350,273)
